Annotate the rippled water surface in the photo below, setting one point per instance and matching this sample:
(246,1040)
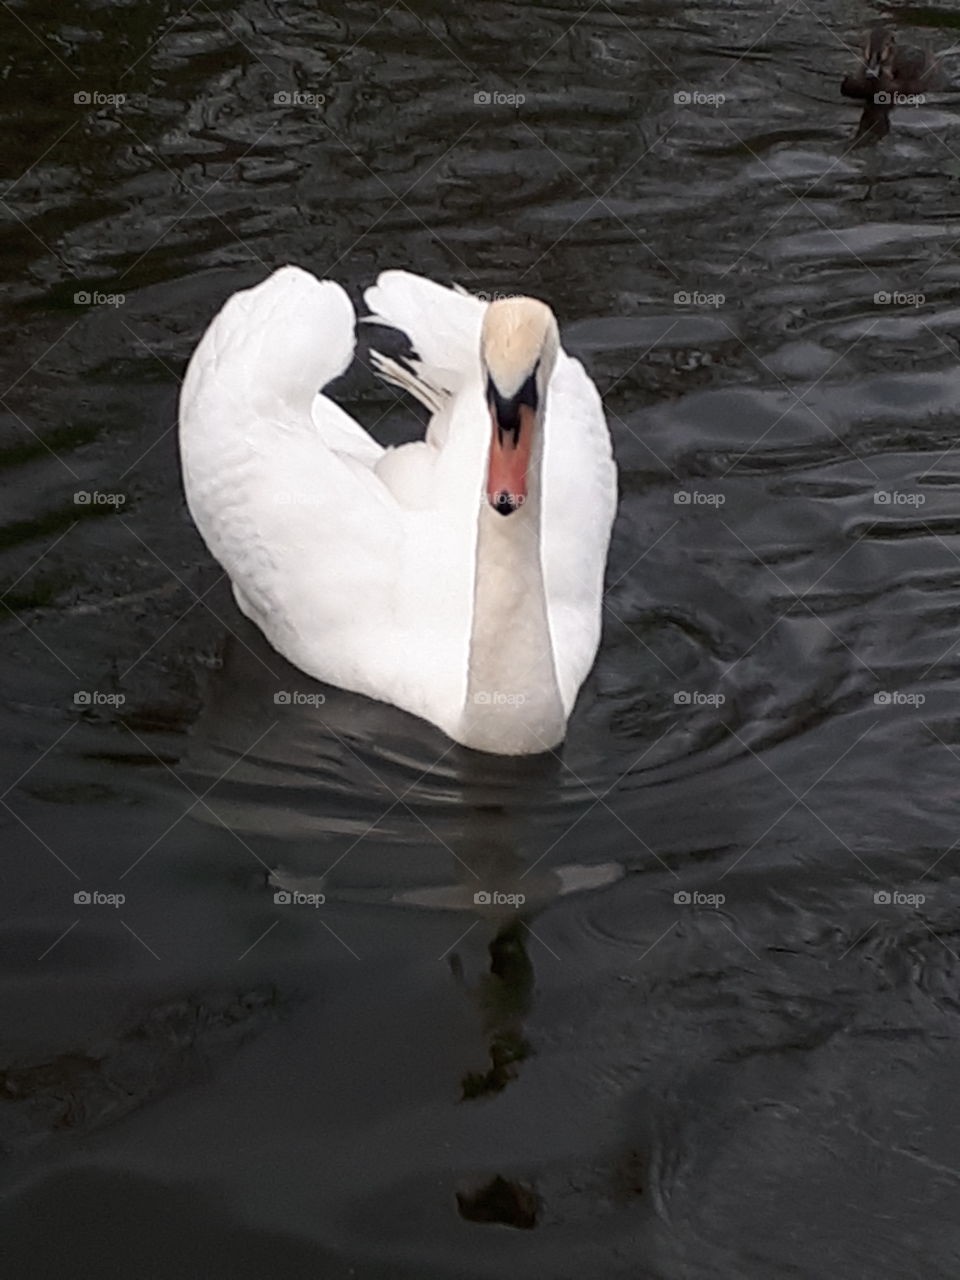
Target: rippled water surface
(720,1038)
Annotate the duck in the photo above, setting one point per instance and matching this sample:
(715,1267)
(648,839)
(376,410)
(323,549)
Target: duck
(458,577)
(890,71)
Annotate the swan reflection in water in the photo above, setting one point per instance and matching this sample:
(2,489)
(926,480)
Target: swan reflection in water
(327,789)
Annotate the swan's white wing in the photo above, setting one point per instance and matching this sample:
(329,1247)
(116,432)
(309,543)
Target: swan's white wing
(277,343)
(443,326)
(341,433)
(310,537)
(579,505)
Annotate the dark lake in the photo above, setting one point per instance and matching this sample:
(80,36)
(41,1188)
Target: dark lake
(721,1035)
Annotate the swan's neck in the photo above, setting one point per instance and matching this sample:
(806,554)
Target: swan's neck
(513,703)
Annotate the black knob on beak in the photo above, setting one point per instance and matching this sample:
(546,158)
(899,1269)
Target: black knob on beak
(505,503)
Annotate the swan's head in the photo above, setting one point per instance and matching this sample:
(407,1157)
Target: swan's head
(518,349)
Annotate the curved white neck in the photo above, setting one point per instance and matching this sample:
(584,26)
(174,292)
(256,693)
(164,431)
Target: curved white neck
(513,702)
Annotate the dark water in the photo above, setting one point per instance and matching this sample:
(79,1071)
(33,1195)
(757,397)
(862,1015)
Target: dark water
(619,1079)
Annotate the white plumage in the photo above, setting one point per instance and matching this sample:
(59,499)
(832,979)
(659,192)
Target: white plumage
(387,572)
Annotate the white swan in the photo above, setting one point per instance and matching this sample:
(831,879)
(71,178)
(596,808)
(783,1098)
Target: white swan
(459,577)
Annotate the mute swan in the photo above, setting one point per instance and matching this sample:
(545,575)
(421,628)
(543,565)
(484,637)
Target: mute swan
(459,577)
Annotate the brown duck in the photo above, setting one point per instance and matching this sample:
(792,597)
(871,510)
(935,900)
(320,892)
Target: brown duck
(890,72)
(891,75)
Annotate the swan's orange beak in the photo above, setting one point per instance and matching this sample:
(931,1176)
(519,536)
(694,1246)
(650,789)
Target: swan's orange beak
(509,461)
(513,423)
